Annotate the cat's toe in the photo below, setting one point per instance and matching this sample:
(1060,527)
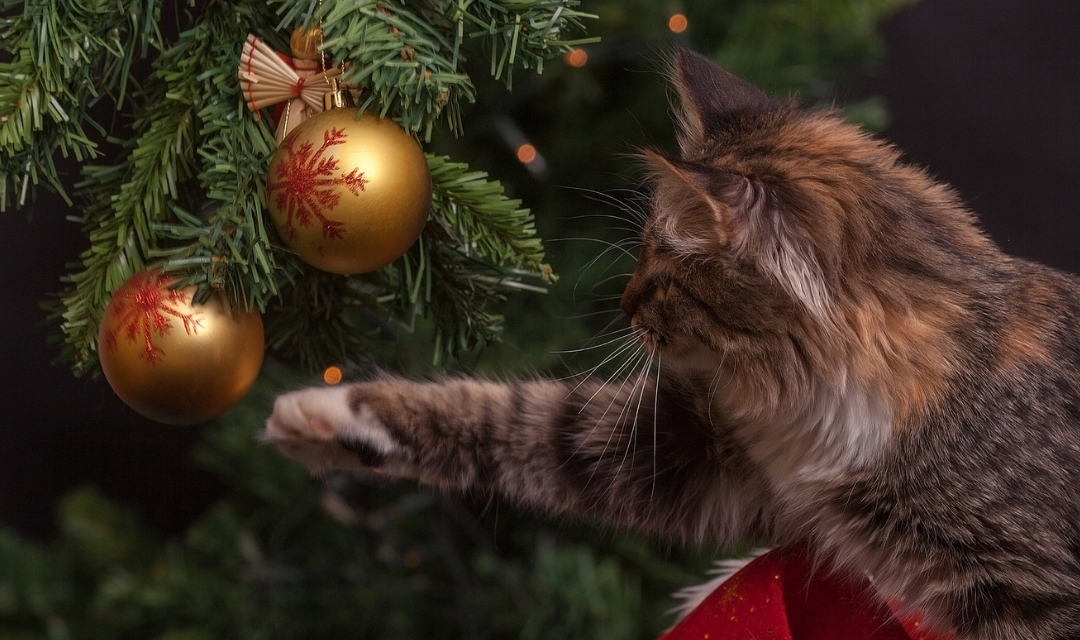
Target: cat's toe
(316,414)
(321,428)
(302,427)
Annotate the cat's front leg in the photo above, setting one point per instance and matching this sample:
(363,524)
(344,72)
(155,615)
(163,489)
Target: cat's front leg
(457,434)
(628,452)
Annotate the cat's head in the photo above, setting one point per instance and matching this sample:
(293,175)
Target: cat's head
(784,237)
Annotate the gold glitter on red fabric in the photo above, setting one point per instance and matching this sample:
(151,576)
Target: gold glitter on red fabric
(784,595)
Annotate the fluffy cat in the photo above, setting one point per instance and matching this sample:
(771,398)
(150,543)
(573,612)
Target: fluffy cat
(845,361)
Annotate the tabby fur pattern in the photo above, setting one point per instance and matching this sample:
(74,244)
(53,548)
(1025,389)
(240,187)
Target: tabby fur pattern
(845,361)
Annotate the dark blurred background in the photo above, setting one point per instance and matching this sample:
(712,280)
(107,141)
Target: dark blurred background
(984,93)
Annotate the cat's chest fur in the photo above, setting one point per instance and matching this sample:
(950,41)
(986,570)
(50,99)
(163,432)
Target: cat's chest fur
(799,445)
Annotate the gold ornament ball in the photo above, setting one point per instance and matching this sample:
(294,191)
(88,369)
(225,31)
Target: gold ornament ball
(173,361)
(349,195)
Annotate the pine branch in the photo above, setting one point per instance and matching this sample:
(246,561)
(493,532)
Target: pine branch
(325,319)
(188,195)
(61,57)
(480,244)
(411,55)
(130,203)
(475,216)
(229,244)
(123,202)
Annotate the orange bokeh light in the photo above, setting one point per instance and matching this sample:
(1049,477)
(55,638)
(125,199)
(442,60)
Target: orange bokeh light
(332,375)
(577,58)
(526,153)
(677,23)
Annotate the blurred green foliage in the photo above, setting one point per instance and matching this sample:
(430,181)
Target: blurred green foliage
(282,557)
(285,556)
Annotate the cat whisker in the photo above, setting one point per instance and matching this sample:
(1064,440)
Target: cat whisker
(620,245)
(589,216)
(630,364)
(603,333)
(618,420)
(656,408)
(635,205)
(649,337)
(622,228)
(642,360)
(639,388)
(596,346)
(714,386)
(632,240)
(631,342)
(615,374)
(625,331)
(635,361)
(591,314)
(610,278)
(610,244)
(624,366)
(607,298)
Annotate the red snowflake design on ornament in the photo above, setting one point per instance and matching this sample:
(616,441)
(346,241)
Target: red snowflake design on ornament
(143,308)
(304,184)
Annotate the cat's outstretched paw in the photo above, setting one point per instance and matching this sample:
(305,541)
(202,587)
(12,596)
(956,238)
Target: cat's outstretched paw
(320,428)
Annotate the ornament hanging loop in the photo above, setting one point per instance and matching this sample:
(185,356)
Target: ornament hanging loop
(338,98)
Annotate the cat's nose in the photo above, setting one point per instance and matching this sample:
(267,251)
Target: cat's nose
(642,289)
(631,297)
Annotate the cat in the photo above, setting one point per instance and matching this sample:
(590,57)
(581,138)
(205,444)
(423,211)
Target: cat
(845,362)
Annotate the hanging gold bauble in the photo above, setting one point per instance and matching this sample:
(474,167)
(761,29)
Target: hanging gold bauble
(349,195)
(172,361)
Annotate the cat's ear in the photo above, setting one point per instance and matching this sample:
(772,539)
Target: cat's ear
(710,97)
(703,211)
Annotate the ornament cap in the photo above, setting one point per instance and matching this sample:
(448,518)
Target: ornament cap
(305,43)
(337,98)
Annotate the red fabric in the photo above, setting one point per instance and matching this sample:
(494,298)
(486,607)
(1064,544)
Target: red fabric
(781,596)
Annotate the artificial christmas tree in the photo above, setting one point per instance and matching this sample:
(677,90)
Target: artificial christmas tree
(187,193)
